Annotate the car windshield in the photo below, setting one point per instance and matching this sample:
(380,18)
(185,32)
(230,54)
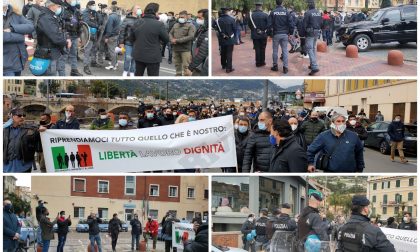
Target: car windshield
(410,130)
(375,16)
(82,221)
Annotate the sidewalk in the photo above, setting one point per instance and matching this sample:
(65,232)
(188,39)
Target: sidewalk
(332,63)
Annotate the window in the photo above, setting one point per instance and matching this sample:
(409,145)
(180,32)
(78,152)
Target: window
(385,199)
(173,191)
(154,190)
(409,13)
(130,185)
(190,192)
(206,193)
(410,209)
(373,211)
(393,15)
(103,186)
(103,213)
(383,185)
(411,182)
(397,183)
(375,186)
(374,198)
(396,210)
(79,212)
(154,213)
(79,185)
(190,215)
(398,198)
(274,184)
(410,196)
(383,210)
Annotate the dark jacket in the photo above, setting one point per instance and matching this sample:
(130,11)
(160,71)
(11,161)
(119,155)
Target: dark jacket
(261,24)
(33,16)
(47,228)
(50,33)
(300,139)
(288,156)
(167,120)
(167,228)
(280,21)
(62,124)
(396,131)
(374,238)
(10,228)
(14,49)
(201,241)
(226,31)
(63,226)
(311,129)
(359,130)
(283,222)
(112,27)
(135,227)
(27,146)
(247,227)
(310,222)
(407,226)
(146,123)
(241,140)
(92,18)
(71,18)
(127,26)
(93,225)
(184,35)
(347,156)
(148,35)
(114,226)
(312,21)
(257,152)
(201,53)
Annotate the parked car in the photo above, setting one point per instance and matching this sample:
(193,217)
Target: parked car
(378,138)
(82,226)
(27,231)
(103,227)
(392,24)
(124,226)
(225,249)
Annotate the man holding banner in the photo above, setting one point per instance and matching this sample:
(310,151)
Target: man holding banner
(168,234)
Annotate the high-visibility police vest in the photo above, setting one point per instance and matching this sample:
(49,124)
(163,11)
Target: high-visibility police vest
(352,236)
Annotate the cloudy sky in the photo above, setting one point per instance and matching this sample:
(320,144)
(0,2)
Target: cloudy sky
(23,179)
(287,83)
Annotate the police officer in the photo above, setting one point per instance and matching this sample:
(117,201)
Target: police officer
(258,24)
(93,19)
(281,25)
(310,221)
(71,19)
(247,227)
(51,37)
(282,222)
(260,228)
(312,21)
(358,234)
(225,25)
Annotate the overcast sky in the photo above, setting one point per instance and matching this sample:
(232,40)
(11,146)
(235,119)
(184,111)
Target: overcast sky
(287,83)
(23,179)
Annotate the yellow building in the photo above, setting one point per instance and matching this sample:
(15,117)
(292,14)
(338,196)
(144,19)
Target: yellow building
(348,5)
(13,86)
(391,97)
(314,93)
(391,196)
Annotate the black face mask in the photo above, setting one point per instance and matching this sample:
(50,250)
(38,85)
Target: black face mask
(43,123)
(169,116)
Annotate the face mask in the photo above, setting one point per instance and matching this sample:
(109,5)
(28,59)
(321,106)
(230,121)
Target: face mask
(29,3)
(191,119)
(43,122)
(273,140)
(251,219)
(262,126)
(150,219)
(139,12)
(181,20)
(287,114)
(92,8)
(314,118)
(169,17)
(200,21)
(294,127)
(68,114)
(58,11)
(73,3)
(352,122)
(174,113)
(150,115)
(243,129)
(397,119)
(405,219)
(340,128)
(8,208)
(103,117)
(122,122)
(236,126)
(241,114)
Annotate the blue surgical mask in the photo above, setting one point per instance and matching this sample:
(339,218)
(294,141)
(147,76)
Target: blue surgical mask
(58,11)
(93,7)
(243,129)
(181,20)
(150,115)
(73,3)
(262,126)
(123,122)
(273,140)
(8,208)
(191,119)
(138,12)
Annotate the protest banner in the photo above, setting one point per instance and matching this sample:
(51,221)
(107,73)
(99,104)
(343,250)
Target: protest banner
(403,240)
(206,143)
(182,232)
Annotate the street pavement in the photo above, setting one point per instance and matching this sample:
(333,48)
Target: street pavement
(332,63)
(79,242)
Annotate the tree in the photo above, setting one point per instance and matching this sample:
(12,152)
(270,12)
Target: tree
(54,86)
(98,88)
(19,205)
(72,88)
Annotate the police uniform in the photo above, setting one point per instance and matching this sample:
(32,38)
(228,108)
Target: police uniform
(281,25)
(71,19)
(312,21)
(93,20)
(258,24)
(359,235)
(226,25)
(247,228)
(260,229)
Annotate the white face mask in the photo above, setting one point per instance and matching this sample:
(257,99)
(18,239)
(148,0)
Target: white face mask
(352,122)
(397,119)
(339,128)
(294,126)
(251,219)
(242,114)
(200,21)
(406,219)
(236,126)
(103,116)
(68,114)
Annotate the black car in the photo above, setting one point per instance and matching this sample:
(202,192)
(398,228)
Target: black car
(379,138)
(393,24)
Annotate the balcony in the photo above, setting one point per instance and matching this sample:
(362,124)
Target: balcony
(393,203)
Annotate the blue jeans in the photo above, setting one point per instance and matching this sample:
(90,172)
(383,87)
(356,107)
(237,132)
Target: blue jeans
(327,36)
(238,38)
(90,53)
(96,238)
(281,40)
(52,69)
(129,62)
(69,54)
(45,245)
(135,238)
(38,236)
(61,242)
(311,49)
(11,73)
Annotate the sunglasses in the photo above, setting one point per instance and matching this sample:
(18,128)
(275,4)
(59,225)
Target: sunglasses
(21,115)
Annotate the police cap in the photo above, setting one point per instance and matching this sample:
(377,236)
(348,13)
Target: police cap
(264,210)
(91,3)
(360,200)
(316,194)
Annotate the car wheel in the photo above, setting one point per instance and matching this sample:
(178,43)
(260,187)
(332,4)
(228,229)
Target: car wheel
(363,42)
(384,148)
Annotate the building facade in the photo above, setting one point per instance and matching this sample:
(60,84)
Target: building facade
(9,183)
(314,93)
(124,195)
(392,196)
(13,87)
(391,97)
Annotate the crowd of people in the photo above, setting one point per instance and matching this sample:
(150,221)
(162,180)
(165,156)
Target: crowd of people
(45,231)
(311,230)
(273,140)
(142,35)
(285,26)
